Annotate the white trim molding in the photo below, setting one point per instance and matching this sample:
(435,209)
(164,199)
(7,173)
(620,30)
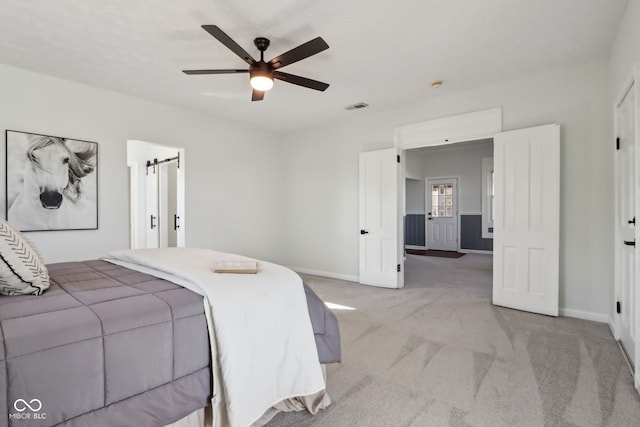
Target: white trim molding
(487,197)
(585,315)
(463,127)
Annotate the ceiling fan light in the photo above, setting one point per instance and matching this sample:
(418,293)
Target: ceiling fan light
(261,80)
(261,83)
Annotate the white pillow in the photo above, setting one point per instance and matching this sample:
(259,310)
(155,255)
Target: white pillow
(22,271)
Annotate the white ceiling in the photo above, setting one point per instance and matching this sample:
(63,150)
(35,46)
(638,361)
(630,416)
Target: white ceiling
(381,52)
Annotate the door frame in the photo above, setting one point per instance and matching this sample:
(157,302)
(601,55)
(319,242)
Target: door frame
(631,82)
(427,203)
(134,185)
(139,152)
(473,126)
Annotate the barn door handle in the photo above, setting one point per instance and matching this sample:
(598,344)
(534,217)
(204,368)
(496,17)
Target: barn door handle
(153,222)
(364,232)
(628,243)
(176,222)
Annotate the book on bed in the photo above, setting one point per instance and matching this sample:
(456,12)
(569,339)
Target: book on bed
(238,267)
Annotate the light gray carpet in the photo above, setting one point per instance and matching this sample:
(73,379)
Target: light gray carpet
(437,353)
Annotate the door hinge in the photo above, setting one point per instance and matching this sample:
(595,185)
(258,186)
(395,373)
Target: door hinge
(618,143)
(618,307)
(398,158)
(398,268)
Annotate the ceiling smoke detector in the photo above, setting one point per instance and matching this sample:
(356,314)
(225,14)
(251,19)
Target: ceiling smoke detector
(357,106)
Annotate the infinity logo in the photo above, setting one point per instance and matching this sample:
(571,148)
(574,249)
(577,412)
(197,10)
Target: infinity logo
(21,405)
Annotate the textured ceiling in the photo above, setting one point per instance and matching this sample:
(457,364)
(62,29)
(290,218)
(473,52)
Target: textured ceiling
(381,52)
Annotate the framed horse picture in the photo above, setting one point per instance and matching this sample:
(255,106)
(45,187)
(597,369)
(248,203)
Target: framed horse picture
(52,182)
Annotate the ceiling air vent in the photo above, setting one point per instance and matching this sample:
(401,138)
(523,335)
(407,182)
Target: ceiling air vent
(357,106)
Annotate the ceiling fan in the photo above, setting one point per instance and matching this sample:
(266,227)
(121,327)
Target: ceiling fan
(262,73)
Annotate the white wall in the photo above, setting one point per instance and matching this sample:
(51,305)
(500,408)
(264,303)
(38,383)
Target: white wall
(414,201)
(322,175)
(234,178)
(626,49)
(464,162)
(413,165)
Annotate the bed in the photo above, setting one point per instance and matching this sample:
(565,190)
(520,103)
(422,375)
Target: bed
(108,345)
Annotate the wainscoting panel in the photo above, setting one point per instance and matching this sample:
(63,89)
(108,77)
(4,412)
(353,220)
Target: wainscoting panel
(471,234)
(414,229)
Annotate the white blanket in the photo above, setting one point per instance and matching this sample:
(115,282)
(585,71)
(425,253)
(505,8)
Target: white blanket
(263,350)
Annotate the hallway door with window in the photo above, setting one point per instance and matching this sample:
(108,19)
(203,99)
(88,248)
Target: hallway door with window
(442,214)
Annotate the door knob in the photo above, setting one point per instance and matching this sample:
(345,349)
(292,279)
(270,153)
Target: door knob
(628,243)
(364,232)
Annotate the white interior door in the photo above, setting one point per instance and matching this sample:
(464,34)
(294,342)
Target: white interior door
(442,214)
(626,175)
(152,231)
(168,201)
(378,200)
(527,219)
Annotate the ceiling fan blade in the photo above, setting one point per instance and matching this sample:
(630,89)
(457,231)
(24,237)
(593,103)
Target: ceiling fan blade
(192,72)
(229,43)
(301,52)
(300,81)
(257,95)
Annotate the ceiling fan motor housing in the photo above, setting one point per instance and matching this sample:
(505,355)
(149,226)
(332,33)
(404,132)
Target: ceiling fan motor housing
(261,69)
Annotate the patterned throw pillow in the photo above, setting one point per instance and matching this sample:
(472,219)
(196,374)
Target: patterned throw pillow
(22,271)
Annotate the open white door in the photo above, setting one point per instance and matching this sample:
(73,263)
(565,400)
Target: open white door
(379,218)
(527,219)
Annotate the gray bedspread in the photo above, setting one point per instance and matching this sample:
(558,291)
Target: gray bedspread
(109,346)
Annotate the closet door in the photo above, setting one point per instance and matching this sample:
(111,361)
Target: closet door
(627,177)
(152,231)
(168,202)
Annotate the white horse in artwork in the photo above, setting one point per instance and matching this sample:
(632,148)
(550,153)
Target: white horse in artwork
(52,195)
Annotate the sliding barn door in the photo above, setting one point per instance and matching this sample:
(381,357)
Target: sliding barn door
(527,219)
(379,218)
(152,230)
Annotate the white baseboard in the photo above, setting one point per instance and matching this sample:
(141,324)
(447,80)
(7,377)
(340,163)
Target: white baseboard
(612,327)
(567,312)
(347,277)
(415,247)
(475,251)
(585,315)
